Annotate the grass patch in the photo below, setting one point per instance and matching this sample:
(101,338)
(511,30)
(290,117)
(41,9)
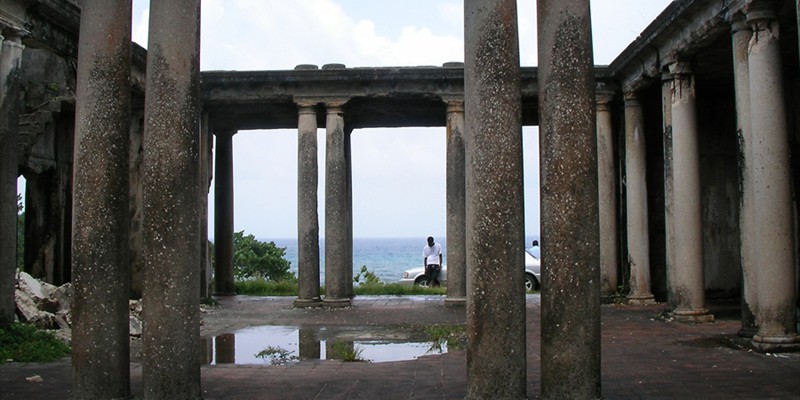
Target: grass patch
(25,343)
(397,289)
(346,351)
(454,336)
(263,287)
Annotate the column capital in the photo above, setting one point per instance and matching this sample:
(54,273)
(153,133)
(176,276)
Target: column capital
(453,98)
(454,105)
(604,93)
(225,132)
(306,102)
(335,104)
(760,11)
(738,23)
(680,67)
(631,98)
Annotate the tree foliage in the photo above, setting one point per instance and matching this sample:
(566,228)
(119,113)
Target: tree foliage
(253,259)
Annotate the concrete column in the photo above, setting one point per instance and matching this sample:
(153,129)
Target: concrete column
(10,59)
(456,206)
(741,74)
(338,253)
(495,237)
(171,299)
(224,284)
(687,272)
(348,151)
(307,219)
(135,204)
(607,193)
(776,280)
(570,210)
(206,165)
(100,263)
(669,205)
(636,199)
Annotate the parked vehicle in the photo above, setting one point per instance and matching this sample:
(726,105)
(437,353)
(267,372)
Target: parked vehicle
(416,276)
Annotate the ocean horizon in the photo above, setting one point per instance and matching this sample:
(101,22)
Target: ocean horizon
(387,258)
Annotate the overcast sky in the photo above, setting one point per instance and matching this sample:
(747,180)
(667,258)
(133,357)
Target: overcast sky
(398,174)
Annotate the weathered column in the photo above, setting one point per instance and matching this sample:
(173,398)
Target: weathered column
(636,200)
(607,193)
(307,219)
(206,165)
(687,272)
(741,73)
(776,298)
(348,151)
(224,284)
(570,216)
(669,204)
(338,254)
(135,201)
(495,237)
(456,206)
(10,59)
(100,224)
(171,299)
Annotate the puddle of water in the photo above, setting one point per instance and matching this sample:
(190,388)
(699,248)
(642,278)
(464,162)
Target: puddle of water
(281,345)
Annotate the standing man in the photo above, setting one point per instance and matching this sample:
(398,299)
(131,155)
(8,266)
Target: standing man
(432,260)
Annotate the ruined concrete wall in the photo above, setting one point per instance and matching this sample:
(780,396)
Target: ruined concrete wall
(720,189)
(45,159)
(719,184)
(651,100)
(136,204)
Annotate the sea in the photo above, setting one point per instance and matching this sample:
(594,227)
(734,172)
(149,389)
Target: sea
(385,257)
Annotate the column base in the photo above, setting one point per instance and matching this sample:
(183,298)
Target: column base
(695,316)
(640,300)
(336,303)
(609,299)
(453,301)
(776,344)
(307,303)
(748,331)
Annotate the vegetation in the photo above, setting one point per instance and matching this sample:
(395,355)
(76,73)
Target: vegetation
(346,351)
(253,259)
(25,343)
(369,278)
(368,284)
(454,336)
(396,289)
(263,287)
(276,355)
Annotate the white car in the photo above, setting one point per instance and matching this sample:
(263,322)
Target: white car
(533,273)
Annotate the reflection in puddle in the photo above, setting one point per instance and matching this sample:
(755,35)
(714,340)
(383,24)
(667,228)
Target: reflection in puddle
(281,345)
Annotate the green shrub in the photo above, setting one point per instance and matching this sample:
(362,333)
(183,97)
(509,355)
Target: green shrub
(346,351)
(256,259)
(367,278)
(277,355)
(25,343)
